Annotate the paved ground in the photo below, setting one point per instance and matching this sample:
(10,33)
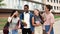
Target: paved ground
(56,28)
(1,32)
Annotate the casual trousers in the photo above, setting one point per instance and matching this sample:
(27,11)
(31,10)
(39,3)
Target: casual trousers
(38,30)
(13,32)
(26,31)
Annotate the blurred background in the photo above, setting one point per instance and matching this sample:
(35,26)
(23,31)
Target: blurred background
(7,6)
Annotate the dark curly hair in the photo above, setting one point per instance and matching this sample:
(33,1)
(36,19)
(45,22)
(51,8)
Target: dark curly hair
(49,7)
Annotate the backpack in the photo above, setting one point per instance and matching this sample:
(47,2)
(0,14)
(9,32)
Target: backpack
(6,28)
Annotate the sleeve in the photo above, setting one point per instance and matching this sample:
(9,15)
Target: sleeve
(52,20)
(9,19)
(21,16)
(32,15)
(21,25)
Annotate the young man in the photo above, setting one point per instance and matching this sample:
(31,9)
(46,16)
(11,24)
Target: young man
(48,20)
(26,21)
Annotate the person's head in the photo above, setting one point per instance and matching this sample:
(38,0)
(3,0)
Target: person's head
(15,13)
(36,12)
(26,8)
(48,8)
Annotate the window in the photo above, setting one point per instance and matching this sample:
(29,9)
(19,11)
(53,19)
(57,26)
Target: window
(42,7)
(59,8)
(57,1)
(54,1)
(52,7)
(55,7)
(48,0)
(51,0)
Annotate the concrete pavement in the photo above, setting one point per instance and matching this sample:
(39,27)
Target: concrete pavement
(1,32)
(57,27)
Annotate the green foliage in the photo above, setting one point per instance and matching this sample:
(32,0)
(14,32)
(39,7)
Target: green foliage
(1,0)
(2,22)
(2,4)
(56,17)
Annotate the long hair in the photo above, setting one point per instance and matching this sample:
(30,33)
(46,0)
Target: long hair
(40,16)
(13,12)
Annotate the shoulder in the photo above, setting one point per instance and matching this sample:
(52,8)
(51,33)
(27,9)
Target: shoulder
(31,13)
(22,13)
(51,15)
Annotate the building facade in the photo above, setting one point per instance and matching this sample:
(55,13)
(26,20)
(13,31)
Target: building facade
(54,3)
(19,4)
(36,4)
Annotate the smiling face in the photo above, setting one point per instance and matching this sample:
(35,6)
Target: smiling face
(46,9)
(26,8)
(36,12)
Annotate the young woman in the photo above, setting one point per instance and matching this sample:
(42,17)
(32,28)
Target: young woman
(36,22)
(48,20)
(14,22)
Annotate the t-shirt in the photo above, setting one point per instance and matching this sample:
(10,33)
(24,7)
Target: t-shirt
(37,19)
(49,18)
(14,22)
(27,19)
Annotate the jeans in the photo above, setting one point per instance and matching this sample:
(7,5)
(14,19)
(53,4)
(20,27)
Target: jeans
(47,27)
(13,32)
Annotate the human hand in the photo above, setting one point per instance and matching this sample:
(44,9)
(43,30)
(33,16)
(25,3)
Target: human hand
(48,32)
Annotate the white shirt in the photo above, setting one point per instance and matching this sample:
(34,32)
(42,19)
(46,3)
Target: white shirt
(27,19)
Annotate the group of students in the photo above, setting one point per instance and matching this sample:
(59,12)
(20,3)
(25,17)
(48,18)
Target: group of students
(30,23)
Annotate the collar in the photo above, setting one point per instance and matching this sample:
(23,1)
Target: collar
(28,12)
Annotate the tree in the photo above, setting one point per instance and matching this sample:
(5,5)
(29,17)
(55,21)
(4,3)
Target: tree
(1,4)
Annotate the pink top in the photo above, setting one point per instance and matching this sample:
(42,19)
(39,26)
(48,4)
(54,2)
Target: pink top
(49,18)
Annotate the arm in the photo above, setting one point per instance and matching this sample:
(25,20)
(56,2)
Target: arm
(18,24)
(9,19)
(51,22)
(22,20)
(33,21)
(51,26)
